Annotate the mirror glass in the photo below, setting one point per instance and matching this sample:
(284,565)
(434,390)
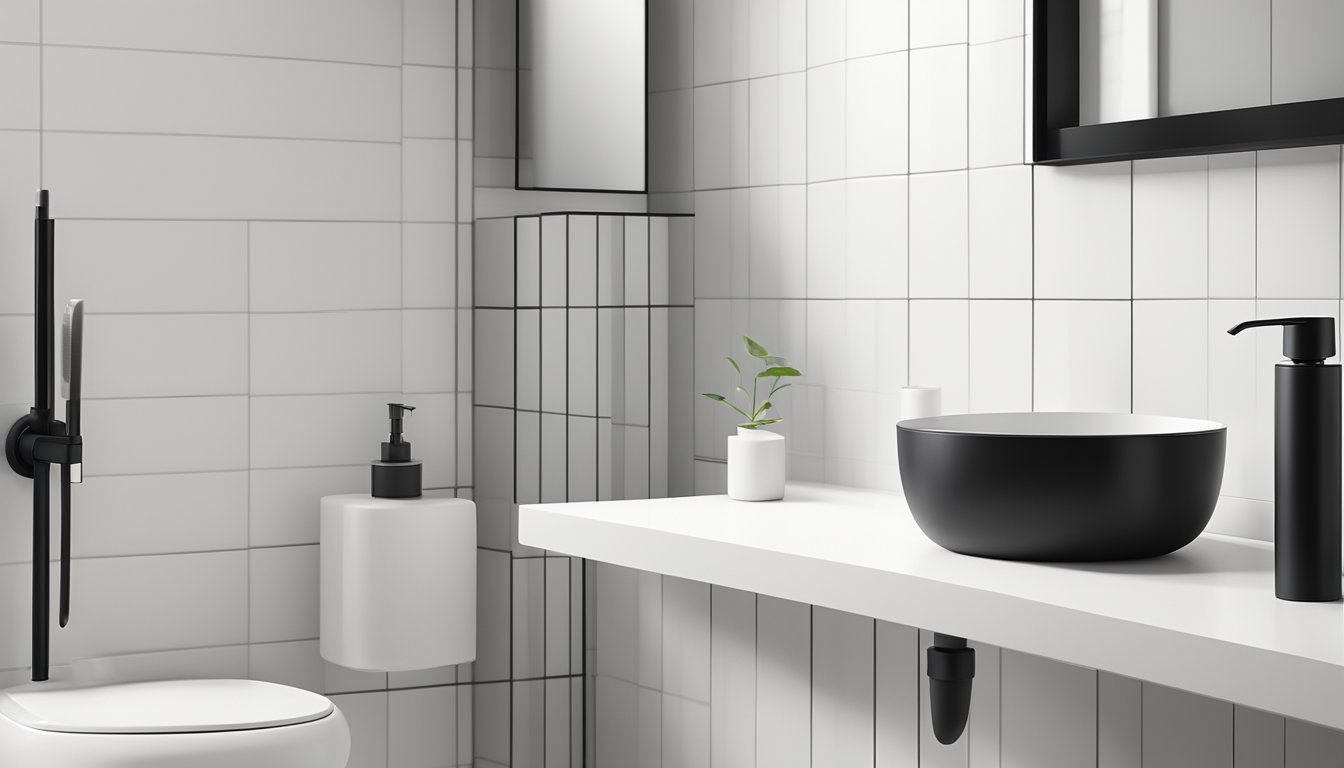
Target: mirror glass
(581,95)
(1155,58)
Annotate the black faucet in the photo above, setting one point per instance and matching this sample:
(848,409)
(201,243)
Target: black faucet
(38,440)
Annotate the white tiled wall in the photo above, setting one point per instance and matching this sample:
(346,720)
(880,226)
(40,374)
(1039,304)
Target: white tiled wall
(923,248)
(264,221)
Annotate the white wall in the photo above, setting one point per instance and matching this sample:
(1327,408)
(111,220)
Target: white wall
(863,205)
(259,202)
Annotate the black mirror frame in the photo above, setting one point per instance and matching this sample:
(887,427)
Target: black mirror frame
(1058,139)
(518,113)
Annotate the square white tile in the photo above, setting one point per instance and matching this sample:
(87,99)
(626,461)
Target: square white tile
(763,39)
(1171,228)
(1232,226)
(326,430)
(431,32)
(124,449)
(1171,358)
(104,262)
(939,266)
(940,350)
(937,22)
(428,180)
(1000,236)
(283,597)
(123,175)
(364,31)
(161,514)
(205,355)
(826,28)
(1082,231)
(992,20)
(367,715)
(19,85)
(778,266)
(1081,356)
(875,114)
(1298,223)
(713,21)
(996,101)
(312,353)
(429,102)
(764,127)
(938,104)
(826,122)
(359,265)
(283,503)
(875,254)
(421,727)
(21,20)
(140,91)
(827,240)
(1000,367)
(876,26)
(203,593)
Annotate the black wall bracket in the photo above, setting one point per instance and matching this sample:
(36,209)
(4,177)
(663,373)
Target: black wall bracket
(951,668)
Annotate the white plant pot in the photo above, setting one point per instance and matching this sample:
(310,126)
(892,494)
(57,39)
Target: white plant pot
(755,465)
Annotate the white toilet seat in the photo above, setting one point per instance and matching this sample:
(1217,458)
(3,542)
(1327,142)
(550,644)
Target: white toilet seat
(202,723)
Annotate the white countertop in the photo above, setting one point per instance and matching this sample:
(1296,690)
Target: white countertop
(1204,619)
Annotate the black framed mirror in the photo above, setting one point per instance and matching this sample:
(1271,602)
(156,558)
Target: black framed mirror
(582,107)
(1064,135)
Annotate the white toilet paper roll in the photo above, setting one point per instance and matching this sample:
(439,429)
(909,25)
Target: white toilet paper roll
(921,402)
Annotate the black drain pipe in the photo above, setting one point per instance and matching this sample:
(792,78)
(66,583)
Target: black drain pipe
(951,667)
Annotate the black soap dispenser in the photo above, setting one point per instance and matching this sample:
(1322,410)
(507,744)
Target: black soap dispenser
(397,475)
(1306,460)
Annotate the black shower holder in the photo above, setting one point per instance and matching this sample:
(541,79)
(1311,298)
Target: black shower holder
(31,440)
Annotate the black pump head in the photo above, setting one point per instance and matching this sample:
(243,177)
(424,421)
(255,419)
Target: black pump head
(396,449)
(397,475)
(1305,339)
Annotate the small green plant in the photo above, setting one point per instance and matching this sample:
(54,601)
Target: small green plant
(773,367)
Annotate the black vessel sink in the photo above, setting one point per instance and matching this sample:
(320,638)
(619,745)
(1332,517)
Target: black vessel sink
(1061,486)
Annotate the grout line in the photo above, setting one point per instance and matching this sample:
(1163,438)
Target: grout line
(220,54)
(242,136)
(247,273)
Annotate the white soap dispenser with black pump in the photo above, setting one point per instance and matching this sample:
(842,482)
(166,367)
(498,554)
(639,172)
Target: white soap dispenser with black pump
(398,568)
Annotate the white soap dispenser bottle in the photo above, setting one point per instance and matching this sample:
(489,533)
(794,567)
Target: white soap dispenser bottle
(398,569)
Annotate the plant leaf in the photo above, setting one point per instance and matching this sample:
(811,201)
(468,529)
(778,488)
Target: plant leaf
(748,425)
(773,360)
(778,370)
(767,405)
(736,367)
(725,401)
(754,348)
(763,422)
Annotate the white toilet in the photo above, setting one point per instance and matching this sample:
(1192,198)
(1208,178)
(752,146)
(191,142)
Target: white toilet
(197,723)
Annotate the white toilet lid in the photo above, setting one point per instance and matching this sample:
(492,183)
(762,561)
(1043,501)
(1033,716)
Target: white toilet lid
(162,706)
